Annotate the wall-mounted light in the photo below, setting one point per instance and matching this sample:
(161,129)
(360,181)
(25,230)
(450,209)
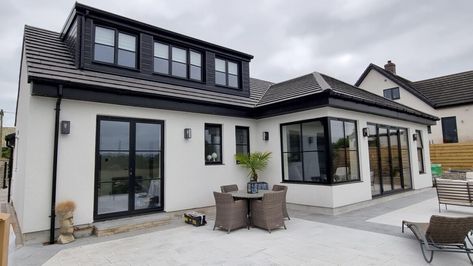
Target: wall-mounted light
(265,135)
(366,132)
(187,133)
(429,129)
(414,137)
(65,127)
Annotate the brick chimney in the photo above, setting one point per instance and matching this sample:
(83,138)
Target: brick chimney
(390,66)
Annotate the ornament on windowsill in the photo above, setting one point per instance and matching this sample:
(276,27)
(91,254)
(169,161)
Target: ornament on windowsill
(65,212)
(209,157)
(214,156)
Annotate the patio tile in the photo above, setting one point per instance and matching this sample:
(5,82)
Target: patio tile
(304,243)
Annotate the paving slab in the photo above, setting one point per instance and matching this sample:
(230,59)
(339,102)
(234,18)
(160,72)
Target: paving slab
(303,243)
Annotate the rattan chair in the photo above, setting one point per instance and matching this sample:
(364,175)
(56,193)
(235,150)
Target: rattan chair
(267,213)
(443,234)
(284,205)
(229,188)
(231,214)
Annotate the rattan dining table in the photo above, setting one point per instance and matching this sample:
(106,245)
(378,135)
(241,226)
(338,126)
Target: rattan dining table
(242,194)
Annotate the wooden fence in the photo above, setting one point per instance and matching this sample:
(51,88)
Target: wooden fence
(455,156)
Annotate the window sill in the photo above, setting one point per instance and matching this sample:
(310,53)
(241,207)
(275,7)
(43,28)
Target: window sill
(214,163)
(177,77)
(228,87)
(322,184)
(115,65)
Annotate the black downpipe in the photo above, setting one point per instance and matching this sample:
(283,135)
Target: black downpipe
(10,169)
(55,155)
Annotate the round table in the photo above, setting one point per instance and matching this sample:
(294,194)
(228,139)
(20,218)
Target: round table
(242,194)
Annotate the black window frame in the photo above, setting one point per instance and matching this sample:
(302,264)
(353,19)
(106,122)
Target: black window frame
(247,144)
(389,93)
(444,130)
(389,145)
(115,47)
(188,62)
(238,64)
(220,127)
(325,121)
(420,152)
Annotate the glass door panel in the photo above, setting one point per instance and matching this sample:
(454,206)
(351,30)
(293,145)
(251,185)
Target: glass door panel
(129,166)
(113,174)
(148,166)
(385,159)
(374,163)
(395,163)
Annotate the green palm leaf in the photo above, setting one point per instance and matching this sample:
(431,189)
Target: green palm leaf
(254,162)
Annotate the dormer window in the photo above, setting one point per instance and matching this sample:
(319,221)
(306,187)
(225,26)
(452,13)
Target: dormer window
(226,73)
(177,62)
(114,47)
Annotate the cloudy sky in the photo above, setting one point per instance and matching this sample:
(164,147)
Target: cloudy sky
(287,38)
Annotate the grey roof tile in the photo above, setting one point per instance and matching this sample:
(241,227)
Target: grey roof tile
(47,57)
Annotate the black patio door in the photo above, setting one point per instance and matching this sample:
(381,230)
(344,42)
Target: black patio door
(389,159)
(129,166)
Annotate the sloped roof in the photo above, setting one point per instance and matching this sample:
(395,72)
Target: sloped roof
(455,89)
(48,58)
(444,91)
(403,82)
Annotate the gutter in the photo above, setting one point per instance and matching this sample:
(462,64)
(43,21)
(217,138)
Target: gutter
(55,156)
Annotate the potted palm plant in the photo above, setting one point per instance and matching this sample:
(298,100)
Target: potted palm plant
(254,162)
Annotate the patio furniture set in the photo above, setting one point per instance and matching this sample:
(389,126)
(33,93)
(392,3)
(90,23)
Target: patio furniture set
(443,233)
(265,209)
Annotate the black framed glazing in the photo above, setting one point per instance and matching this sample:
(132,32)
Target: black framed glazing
(230,74)
(396,145)
(392,93)
(300,150)
(242,140)
(193,64)
(420,151)
(133,149)
(449,129)
(213,144)
(119,53)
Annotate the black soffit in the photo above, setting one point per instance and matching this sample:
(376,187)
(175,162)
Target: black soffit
(327,98)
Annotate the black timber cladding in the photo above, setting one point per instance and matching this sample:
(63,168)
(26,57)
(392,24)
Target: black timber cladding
(51,64)
(146,35)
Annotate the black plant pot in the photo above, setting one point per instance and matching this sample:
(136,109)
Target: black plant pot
(252,187)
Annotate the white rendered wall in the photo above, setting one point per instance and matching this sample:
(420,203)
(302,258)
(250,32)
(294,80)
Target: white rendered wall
(188,181)
(464,117)
(342,194)
(375,82)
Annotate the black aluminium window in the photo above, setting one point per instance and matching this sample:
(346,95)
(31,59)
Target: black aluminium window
(114,47)
(213,143)
(420,151)
(392,93)
(449,129)
(323,150)
(227,73)
(242,140)
(177,62)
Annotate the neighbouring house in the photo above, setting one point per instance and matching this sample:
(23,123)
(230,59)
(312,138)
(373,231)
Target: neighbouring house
(449,97)
(126,118)
(5,132)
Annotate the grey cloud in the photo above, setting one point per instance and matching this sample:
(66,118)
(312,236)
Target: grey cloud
(287,38)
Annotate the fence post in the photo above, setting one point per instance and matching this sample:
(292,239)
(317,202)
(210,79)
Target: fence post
(4,175)
(4,238)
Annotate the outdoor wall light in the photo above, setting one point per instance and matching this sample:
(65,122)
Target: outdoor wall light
(414,137)
(265,135)
(187,133)
(65,127)
(366,132)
